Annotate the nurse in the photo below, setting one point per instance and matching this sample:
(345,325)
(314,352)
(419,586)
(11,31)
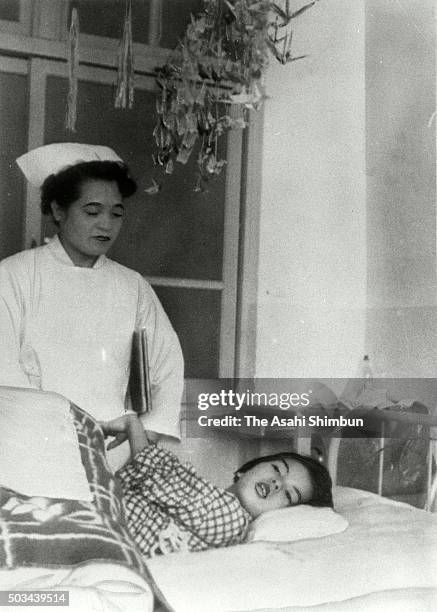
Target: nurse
(68,312)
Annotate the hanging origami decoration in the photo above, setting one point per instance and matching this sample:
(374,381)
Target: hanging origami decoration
(124,96)
(73,69)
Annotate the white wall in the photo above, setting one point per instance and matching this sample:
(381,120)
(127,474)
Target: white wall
(401,203)
(312,258)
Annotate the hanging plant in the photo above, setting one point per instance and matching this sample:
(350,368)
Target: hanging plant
(215,75)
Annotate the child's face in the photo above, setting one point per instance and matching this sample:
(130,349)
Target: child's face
(272,485)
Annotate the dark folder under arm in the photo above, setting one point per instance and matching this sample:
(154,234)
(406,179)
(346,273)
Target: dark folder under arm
(139,380)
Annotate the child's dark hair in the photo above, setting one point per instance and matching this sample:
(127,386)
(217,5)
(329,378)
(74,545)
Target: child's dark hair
(320,478)
(64,187)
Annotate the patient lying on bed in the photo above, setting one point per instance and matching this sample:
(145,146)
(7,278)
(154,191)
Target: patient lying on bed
(170,508)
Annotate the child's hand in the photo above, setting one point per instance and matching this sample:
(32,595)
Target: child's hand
(118,427)
(112,428)
(119,439)
(126,427)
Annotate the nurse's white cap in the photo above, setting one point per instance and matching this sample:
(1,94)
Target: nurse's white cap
(40,163)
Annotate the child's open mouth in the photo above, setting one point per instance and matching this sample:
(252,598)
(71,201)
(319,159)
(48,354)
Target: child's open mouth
(262,489)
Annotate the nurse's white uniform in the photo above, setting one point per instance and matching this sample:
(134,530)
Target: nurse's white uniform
(68,329)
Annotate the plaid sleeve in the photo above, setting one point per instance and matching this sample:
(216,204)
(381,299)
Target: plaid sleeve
(159,489)
(209,513)
(226,522)
(149,462)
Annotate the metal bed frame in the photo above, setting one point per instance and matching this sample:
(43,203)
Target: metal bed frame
(385,418)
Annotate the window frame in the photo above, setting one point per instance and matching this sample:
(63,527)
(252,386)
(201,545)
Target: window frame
(17,66)
(23,25)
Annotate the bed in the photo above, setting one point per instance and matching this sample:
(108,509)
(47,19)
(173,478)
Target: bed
(387,554)
(385,559)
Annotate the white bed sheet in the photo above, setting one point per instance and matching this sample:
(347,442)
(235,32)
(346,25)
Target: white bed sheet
(93,587)
(388,551)
(400,600)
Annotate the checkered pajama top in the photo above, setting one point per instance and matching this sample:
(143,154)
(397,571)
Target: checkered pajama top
(170,508)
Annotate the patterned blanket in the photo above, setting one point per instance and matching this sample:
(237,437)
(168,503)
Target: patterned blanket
(55,532)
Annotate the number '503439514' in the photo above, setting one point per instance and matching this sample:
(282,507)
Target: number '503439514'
(34,598)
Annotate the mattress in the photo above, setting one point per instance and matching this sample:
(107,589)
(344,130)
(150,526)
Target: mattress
(388,553)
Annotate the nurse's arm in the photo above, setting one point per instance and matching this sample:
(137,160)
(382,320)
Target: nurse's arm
(11,330)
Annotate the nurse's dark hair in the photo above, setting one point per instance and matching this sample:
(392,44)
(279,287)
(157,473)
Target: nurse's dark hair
(64,188)
(319,475)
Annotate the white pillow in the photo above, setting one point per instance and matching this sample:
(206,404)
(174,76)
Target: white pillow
(297,523)
(40,454)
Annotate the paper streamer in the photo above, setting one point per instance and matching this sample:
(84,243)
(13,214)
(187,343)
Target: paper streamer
(124,96)
(73,69)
